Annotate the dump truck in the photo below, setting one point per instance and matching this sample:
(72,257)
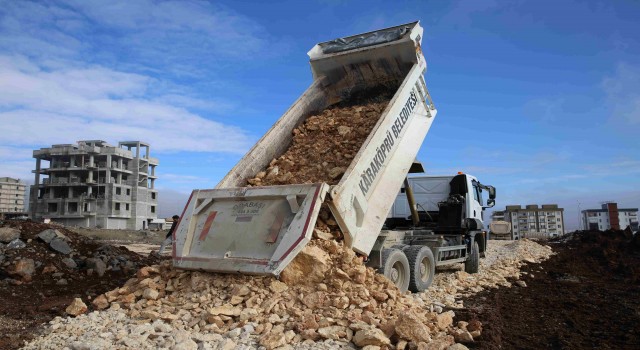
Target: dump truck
(501,230)
(259,230)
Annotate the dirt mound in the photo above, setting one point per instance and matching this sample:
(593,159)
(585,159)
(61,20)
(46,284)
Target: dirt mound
(610,251)
(38,279)
(585,296)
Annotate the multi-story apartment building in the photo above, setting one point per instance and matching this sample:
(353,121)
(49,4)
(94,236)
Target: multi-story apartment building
(94,184)
(533,221)
(11,197)
(610,217)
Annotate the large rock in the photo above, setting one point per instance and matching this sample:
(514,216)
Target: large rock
(60,245)
(278,287)
(100,302)
(227,310)
(16,244)
(24,268)
(97,265)
(333,332)
(410,327)
(48,235)
(445,319)
(309,267)
(8,234)
(273,340)
(70,263)
(370,336)
(150,294)
(76,308)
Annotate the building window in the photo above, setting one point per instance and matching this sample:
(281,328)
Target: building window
(118,190)
(126,207)
(153,209)
(128,191)
(52,207)
(153,195)
(117,206)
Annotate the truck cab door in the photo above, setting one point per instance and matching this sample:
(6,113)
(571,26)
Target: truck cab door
(474,202)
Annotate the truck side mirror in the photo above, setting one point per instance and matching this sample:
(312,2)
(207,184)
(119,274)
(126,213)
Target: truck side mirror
(492,195)
(491,202)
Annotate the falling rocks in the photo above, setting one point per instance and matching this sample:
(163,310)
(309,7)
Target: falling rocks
(60,245)
(8,234)
(76,308)
(97,265)
(16,244)
(309,266)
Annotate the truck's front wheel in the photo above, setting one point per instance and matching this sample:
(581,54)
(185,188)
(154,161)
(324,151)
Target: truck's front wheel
(423,267)
(395,267)
(472,263)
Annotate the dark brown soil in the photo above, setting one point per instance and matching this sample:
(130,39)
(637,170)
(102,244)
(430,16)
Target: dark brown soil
(27,305)
(585,297)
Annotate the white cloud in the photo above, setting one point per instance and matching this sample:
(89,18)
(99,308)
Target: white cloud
(44,106)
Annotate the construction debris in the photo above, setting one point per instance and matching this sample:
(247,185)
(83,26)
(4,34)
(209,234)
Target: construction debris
(43,270)
(351,306)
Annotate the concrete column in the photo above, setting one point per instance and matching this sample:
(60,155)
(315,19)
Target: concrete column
(34,193)
(108,176)
(91,161)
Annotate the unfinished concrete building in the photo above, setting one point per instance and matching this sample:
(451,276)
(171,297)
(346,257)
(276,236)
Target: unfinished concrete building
(533,221)
(11,197)
(94,184)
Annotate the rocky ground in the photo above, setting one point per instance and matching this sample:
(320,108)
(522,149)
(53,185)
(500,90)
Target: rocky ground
(166,308)
(584,297)
(44,267)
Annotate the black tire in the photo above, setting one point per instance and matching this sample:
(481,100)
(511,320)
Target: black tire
(395,267)
(473,260)
(422,266)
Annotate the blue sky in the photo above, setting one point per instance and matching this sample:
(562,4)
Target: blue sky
(540,99)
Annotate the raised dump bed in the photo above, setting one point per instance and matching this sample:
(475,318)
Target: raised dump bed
(259,230)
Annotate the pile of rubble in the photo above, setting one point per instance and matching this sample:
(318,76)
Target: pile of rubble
(44,267)
(338,304)
(323,146)
(64,256)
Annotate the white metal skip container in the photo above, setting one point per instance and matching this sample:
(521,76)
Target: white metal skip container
(259,230)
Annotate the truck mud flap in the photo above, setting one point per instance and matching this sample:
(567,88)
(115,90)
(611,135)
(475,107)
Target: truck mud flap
(255,230)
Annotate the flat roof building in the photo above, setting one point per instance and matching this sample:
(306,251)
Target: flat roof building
(609,216)
(12,193)
(532,221)
(94,184)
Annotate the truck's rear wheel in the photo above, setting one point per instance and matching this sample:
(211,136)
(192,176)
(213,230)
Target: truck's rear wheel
(422,266)
(473,260)
(395,267)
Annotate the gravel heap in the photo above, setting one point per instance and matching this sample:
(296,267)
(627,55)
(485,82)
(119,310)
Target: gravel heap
(210,311)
